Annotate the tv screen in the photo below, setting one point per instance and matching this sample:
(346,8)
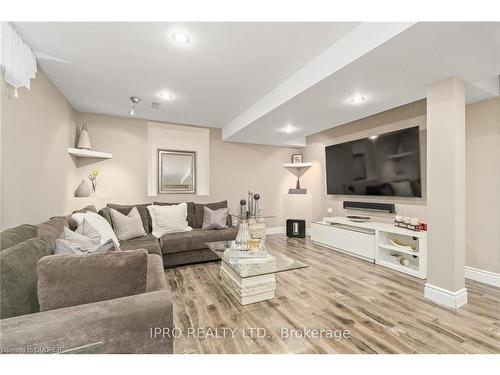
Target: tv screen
(385,164)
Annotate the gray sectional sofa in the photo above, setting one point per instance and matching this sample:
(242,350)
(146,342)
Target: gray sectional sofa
(176,248)
(107,322)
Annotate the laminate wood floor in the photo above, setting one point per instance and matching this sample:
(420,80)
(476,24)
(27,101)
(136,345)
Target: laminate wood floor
(384,310)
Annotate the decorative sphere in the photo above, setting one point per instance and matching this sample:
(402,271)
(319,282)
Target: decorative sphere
(256,196)
(243,202)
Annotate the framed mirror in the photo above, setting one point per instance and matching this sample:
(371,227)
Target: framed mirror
(176,172)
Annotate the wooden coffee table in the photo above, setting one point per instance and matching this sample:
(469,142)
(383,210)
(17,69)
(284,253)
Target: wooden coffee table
(252,280)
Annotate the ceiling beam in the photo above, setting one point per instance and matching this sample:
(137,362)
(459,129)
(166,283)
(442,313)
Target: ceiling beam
(359,41)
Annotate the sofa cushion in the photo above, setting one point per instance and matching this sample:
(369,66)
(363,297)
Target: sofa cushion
(106,213)
(169,219)
(52,229)
(214,219)
(188,257)
(70,280)
(194,240)
(85,240)
(18,277)
(148,242)
(199,212)
(100,225)
(156,274)
(143,211)
(190,210)
(13,236)
(127,226)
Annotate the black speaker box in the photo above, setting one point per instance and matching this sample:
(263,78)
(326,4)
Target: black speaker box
(295,228)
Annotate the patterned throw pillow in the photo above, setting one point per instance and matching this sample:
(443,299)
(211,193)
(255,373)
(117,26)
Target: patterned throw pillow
(215,219)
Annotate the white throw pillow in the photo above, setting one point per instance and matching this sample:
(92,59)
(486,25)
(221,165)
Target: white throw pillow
(70,242)
(169,219)
(100,224)
(87,230)
(127,226)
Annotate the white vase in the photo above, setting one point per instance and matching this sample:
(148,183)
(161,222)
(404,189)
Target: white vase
(83,190)
(84,139)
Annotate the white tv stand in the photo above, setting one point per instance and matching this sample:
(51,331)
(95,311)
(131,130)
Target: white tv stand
(371,241)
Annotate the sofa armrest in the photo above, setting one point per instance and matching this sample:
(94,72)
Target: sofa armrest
(123,325)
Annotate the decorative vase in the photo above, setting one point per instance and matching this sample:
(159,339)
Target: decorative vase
(243,208)
(94,187)
(83,190)
(243,237)
(250,202)
(256,204)
(84,139)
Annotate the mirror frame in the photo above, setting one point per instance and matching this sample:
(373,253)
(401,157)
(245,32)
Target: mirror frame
(193,166)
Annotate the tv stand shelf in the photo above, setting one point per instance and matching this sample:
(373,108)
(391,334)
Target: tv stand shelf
(384,244)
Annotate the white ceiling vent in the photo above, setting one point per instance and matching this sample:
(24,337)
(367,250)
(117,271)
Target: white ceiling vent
(155,105)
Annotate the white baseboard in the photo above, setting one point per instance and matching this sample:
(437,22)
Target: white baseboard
(275,230)
(482,276)
(444,297)
(281,230)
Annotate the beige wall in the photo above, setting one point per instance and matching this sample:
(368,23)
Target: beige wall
(234,167)
(482,185)
(39,176)
(37,172)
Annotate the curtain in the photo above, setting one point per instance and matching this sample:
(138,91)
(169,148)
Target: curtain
(17,60)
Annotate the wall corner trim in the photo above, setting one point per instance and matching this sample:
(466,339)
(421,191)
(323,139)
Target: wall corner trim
(445,297)
(482,276)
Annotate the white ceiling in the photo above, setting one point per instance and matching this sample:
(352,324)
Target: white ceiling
(225,69)
(253,79)
(390,75)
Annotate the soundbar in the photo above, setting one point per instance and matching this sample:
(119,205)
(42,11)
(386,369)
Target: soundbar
(371,206)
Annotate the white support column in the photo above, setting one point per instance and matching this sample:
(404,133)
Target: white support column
(446,193)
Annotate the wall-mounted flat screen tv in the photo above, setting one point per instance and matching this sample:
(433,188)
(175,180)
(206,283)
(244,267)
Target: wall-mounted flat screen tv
(385,164)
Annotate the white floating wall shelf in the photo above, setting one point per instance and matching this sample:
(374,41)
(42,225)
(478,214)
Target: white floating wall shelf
(81,153)
(297,165)
(298,169)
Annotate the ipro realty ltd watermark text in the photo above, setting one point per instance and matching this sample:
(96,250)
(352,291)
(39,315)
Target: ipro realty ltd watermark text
(250,333)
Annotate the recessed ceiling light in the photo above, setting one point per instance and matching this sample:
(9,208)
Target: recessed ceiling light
(165,95)
(180,38)
(289,129)
(356,99)
(373,137)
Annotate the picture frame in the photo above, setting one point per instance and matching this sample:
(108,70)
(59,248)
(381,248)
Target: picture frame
(297,158)
(176,172)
